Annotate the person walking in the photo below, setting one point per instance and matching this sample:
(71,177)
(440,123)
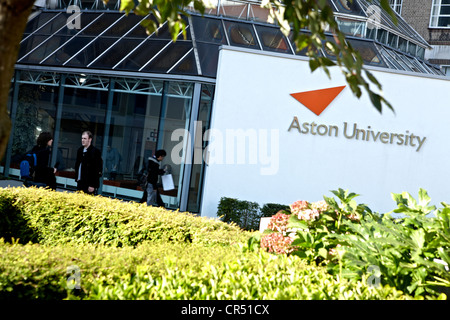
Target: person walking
(43,172)
(154,170)
(88,165)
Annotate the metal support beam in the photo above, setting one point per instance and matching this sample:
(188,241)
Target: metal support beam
(12,116)
(194,133)
(58,117)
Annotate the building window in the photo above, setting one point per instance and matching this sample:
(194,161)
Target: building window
(396,5)
(440,14)
(446,70)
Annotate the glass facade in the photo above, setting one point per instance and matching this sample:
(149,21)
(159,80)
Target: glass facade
(113,41)
(34,111)
(129,118)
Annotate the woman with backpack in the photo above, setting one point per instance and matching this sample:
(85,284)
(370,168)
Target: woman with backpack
(43,172)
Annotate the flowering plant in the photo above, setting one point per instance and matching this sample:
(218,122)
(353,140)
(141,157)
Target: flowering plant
(277,243)
(409,253)
(307,229)
(279,222)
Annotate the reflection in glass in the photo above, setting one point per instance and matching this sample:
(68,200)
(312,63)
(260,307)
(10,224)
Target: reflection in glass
(186,65)
(351,27)
(382,36)
(36,110)
(209,57)
(208,30)
(89,53)
(116,53)
(368,52)
(272,39)
(175,117)
(67,51)
(196,182)
(240,34)
(132,135)
(141,55)
(347,6)
(402,43)
(170,56)
(82,110)
(8,110)
(392,40)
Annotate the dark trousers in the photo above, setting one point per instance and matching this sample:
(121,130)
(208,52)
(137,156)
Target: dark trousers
(83,186)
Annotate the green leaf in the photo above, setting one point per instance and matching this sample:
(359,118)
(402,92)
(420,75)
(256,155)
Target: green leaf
(424,198)
(372,78)
(398,198)
(327,62)
(386,6)
(314,64)
(331,202)
(295,222)
(410,201)
(376,100)
(126,5)
(323,253)
(418,238)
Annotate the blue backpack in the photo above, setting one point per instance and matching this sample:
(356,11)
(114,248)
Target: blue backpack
(27,166)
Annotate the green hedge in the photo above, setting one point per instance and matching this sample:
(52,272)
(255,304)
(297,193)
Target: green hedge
(169,271)
(48,217)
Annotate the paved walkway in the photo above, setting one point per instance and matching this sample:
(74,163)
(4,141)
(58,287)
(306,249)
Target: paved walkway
(10,183)
(16,183)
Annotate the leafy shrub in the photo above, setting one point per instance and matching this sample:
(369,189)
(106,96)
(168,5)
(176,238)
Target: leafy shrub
(169,271)
(409,253)
(245,214)
(49,217)
(270,209)
(412,253)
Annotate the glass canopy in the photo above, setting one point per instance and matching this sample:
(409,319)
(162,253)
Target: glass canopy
(107,39)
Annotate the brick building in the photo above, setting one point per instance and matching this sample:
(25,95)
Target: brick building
(431,19)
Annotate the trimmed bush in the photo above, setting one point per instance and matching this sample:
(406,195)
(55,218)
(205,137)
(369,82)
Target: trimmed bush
(169,271)
(270,209)
(49,217)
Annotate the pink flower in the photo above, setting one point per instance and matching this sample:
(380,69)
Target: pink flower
(278,222)
(320,205)
(353,217)
(276,242)
(298,206)
(308,214)
(306,211)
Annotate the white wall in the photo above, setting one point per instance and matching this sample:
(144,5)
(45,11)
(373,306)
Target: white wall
(253,94)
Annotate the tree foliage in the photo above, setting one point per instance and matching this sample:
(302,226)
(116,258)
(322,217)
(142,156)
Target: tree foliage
(294,17)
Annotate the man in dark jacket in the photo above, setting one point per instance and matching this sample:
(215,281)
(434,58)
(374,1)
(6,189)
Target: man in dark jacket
(88,166)
(154,162)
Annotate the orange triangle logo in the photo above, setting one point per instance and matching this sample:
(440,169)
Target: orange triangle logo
(317,100)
